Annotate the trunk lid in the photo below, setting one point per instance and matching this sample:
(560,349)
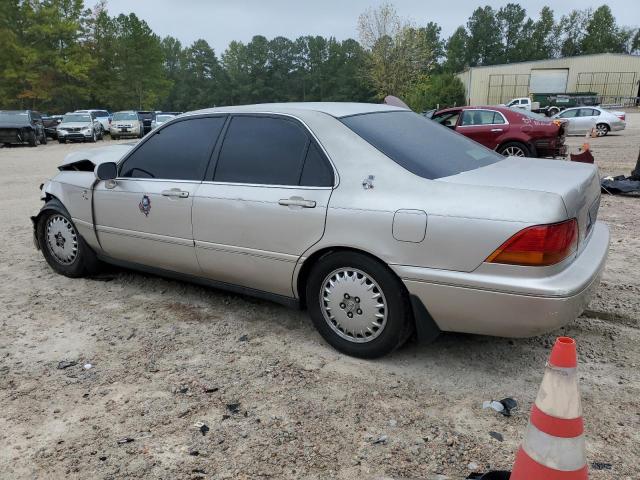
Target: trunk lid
(577,183)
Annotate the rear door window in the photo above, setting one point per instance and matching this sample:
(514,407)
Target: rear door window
(569,113)
(178,152)
(481,117)
(317,171)
(420,145)
(262,150)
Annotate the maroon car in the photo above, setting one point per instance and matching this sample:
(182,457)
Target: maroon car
(508,131)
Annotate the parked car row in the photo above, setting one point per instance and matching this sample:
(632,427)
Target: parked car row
(90,125)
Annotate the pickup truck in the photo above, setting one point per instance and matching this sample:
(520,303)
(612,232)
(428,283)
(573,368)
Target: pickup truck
(550,104)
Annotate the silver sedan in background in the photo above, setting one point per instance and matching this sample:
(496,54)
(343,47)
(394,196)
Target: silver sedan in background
(581,120)
(379,221)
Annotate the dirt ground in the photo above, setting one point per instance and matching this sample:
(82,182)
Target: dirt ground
(279,402)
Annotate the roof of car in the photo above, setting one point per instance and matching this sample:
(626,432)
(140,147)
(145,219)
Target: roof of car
(335,109)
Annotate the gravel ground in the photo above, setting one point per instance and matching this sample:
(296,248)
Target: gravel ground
(277,401)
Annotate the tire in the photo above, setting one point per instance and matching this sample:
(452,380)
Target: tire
(141,134)
(33,139)
(44,139)
(515,149)
(602,129)
(552,111)
(62,140)
(351,277)
(94,136)
(114,137)
(101,134)
(63,248)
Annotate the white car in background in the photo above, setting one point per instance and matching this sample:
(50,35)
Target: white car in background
(103,116)
(580,120)
(162,118)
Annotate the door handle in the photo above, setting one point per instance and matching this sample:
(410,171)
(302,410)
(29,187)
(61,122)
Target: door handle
(297,202)
(496,129)
(175,192)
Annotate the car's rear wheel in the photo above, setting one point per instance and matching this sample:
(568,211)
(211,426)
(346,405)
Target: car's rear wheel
(94,136)
(62,140)
(114,137)
(358,305)
(514,149)
(33,139)
(43,140)
(602,129)
(63,248)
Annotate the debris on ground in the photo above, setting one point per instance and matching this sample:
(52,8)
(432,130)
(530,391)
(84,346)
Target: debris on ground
(244,338)
(601,466)
(87,366)
(504,406)
(619,185)
(233,407)
(66,364)
(497,436)
(124,440)
(382,439)
(203,427)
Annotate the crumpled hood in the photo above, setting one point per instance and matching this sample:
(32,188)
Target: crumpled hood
(96,156)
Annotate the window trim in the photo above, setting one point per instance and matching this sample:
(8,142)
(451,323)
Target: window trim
(121,162)
(506,122)
(211,170)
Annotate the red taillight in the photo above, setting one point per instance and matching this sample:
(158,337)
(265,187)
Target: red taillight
(539,245)
(622,116)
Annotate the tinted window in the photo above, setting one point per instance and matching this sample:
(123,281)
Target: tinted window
(448,119)
(588,112)
(317,171)
(421,146)
(569,113)
(480,117)
(178,152)
(262,150)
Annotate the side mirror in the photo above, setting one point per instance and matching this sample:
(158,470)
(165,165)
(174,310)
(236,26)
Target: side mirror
(106,171)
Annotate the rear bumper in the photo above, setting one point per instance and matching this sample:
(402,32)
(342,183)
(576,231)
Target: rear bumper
(510,307)
(617,126)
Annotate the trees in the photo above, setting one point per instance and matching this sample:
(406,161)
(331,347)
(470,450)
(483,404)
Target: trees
(456,51)
(484,45)
(603,34)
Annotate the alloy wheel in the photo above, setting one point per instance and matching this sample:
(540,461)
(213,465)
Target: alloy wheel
(513,151)
(62,239)
(353,305)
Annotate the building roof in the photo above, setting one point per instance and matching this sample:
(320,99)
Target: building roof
(335,109)
(561,59)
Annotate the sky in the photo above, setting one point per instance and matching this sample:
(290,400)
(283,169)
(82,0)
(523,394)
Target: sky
(221,21)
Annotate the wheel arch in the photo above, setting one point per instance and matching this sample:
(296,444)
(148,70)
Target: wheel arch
(424,325)
(525,143)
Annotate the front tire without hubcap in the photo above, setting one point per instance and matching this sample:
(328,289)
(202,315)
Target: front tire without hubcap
(358,305)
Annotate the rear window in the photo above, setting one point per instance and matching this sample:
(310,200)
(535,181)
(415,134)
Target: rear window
(422,146)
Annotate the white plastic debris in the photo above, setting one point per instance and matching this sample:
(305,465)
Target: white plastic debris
(87,366)
(494,404)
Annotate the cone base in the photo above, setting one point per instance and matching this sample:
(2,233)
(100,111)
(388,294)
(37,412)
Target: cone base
(525,468)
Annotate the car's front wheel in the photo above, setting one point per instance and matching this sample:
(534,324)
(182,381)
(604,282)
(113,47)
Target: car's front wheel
(602,129)
(33,139)
(63,248)
(358,305)
(514,149)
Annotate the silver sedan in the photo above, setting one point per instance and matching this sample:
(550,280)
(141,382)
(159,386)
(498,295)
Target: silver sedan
(383,224)
(582,120)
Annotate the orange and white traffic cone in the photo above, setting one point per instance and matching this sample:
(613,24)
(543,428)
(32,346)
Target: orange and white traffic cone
(553,447)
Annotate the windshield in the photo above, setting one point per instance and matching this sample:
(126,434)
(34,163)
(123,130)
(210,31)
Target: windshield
(420,145)
(77,117)
(14,116)
(125,116)
(164,118)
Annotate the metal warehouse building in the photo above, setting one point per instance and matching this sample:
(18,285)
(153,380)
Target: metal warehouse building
(611,75)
